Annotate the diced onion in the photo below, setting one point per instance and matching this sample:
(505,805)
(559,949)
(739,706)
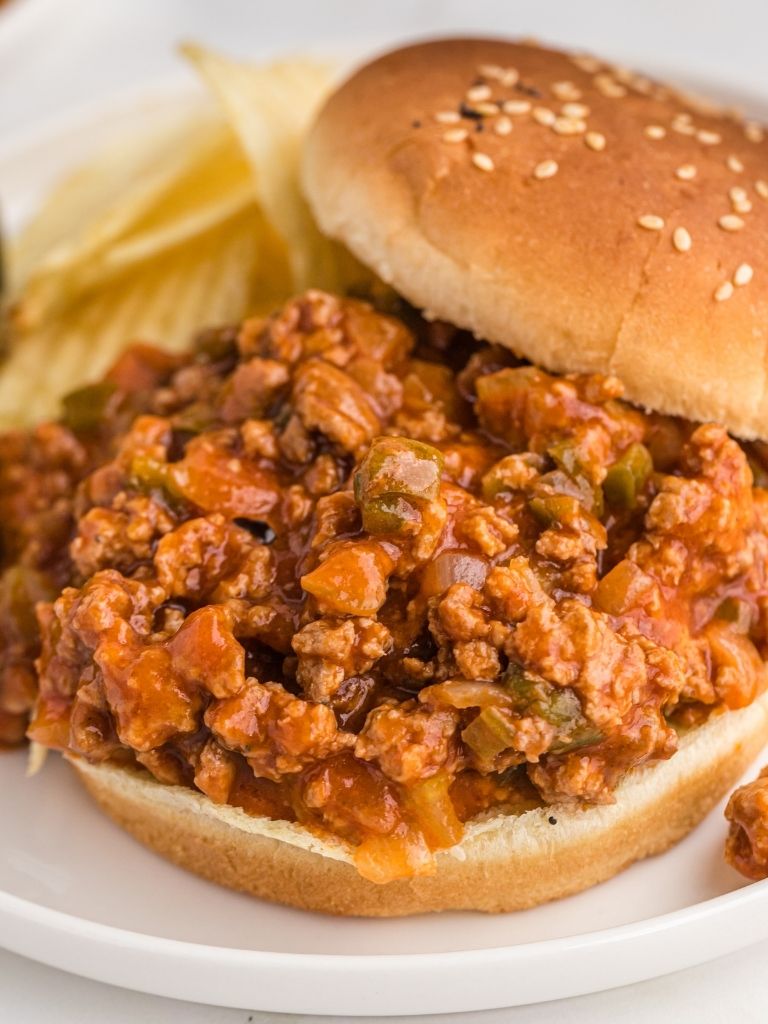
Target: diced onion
(453,567)
(465,693)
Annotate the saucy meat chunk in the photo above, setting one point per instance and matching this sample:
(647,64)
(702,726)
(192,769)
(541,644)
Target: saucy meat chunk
(377,578)
(747,845)
(277,733)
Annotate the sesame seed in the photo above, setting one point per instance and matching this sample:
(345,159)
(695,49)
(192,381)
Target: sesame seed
(743,275)
(595,140)
(575,110)
(655,131)
(737,194)
(478,93)
(487,109)
(684,115)
(734,164)
(583,61)
(566,91)
(708,138)
(753,132)
(730,222)
(546,169)
(609,87)
(651,222)
(482,161)
(516,106)
(448,117)
(543,116)
(642,84)
(455,135)
(761,187)
(686,172)
(681,239)
(569,126)
(505,76)
(723,291)
(623,74)
(742,205)
(503,126)
(682,123)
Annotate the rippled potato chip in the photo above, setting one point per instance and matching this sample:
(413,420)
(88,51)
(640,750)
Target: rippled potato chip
(98,200)
(269,108)
(173,197)
(214,278)
(157,238)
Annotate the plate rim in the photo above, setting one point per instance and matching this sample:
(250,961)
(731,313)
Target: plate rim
(266,979)
(19,906)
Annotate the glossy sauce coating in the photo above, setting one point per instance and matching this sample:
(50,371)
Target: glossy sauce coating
(379,579)
(746,847)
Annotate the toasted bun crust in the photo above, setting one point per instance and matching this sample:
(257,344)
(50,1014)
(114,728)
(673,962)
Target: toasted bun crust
(503,863)
(558,268)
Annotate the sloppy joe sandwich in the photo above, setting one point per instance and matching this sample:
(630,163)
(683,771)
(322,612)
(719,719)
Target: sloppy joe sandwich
(451,593)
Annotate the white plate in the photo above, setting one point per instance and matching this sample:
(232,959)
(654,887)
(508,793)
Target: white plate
(77,893)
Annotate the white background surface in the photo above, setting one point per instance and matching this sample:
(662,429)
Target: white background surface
(57,55)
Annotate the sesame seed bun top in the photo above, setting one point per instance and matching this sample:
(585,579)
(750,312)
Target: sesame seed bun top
(585,216)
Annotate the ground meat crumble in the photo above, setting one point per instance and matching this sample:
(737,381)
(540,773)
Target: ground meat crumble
(373,577)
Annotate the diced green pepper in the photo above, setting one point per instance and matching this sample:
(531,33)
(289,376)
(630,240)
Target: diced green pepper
(396,477)
(489,733)
(390,514)
(628,476)
(566,456)
(582,735)
(557,705)
(553,509)
(398,465)
(84,409)
(149,474)
(534,696)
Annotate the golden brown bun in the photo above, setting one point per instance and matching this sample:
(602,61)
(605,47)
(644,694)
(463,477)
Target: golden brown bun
(503,863)
(558,269)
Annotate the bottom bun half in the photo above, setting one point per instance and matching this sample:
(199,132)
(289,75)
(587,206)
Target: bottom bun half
(503,863)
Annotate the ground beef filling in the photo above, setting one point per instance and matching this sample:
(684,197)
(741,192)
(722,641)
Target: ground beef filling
(376,578)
